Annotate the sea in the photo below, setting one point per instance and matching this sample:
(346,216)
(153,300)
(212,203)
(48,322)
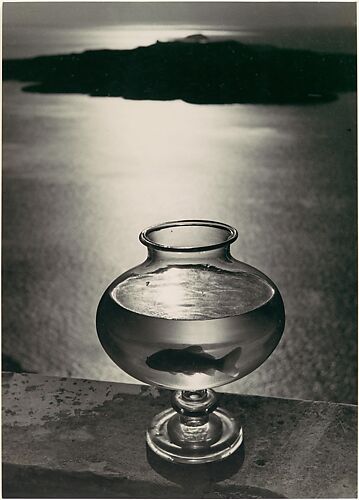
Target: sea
(82,176)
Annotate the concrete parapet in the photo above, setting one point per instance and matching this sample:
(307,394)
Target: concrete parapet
(80,438)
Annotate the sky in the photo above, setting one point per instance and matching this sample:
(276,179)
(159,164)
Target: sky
(239,14)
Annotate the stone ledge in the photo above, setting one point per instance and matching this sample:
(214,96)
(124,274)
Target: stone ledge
(75,438)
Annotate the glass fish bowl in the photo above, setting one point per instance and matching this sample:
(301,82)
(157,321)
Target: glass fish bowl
(191,318)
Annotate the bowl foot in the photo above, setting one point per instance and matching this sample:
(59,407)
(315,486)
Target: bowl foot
(174,440)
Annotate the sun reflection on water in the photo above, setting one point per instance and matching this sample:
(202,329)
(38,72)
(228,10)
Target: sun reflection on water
(91,173)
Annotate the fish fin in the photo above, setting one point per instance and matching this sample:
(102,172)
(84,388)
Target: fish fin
(231,362)
(195,349)
(210,371)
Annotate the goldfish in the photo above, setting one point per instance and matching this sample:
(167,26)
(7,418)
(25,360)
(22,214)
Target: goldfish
(194,359)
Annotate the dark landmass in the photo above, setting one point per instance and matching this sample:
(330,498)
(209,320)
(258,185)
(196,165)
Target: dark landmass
(201,73)
(197,38)
(9,364)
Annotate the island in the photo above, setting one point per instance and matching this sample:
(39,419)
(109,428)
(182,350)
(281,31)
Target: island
(200,73)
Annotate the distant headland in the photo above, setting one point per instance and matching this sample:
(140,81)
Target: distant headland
(194,71)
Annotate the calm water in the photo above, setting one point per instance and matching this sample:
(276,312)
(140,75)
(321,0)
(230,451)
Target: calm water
(82,176)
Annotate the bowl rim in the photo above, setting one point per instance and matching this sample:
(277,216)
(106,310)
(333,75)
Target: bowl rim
(232,235)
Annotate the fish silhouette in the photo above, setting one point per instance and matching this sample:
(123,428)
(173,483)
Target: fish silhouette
(193,360)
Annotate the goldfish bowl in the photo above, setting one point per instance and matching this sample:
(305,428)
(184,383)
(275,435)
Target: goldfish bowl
(191,318)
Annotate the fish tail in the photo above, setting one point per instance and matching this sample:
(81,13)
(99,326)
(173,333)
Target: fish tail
(231,362)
